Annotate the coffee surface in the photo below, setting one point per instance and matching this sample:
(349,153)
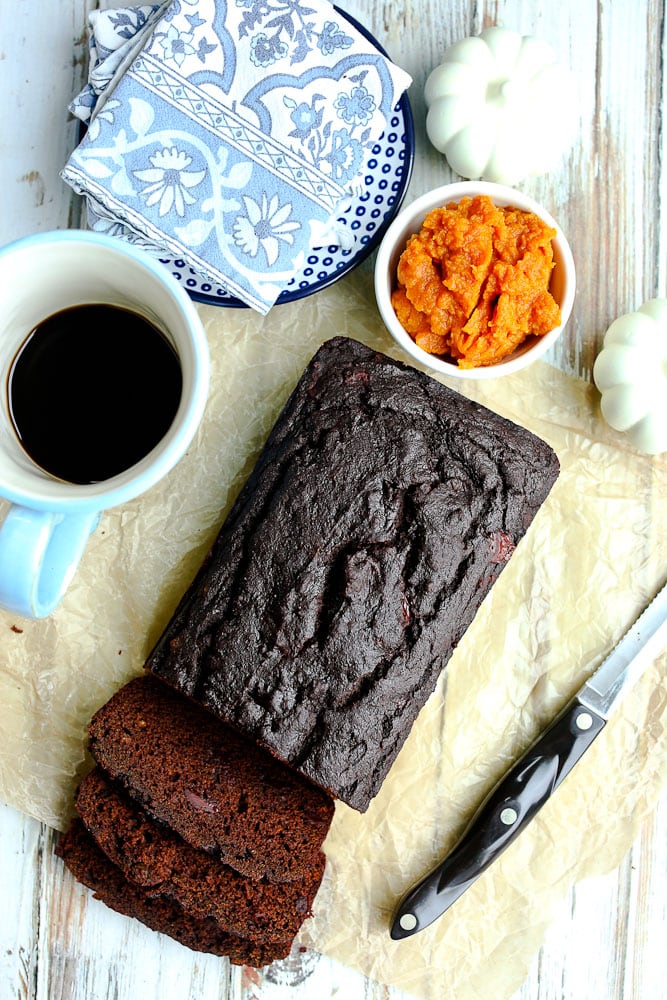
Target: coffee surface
(92,390)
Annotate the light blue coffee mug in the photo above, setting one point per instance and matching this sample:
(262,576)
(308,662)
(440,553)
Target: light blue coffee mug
(47,522)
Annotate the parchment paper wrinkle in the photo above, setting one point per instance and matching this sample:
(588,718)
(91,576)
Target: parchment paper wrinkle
(594,556)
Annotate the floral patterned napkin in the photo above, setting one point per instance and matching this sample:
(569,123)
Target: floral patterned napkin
(229,134)
(113,35)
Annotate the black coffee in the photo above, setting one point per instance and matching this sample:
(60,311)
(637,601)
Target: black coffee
(92,390)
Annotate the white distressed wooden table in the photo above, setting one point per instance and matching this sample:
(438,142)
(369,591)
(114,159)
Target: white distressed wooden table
(611,198)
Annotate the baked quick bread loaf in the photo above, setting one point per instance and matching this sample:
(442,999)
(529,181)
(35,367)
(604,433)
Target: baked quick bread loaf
(218,791)
(152,856)
(91,866)
(380,512)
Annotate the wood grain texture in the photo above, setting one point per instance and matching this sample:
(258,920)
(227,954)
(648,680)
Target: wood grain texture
(610,196)
(42,63)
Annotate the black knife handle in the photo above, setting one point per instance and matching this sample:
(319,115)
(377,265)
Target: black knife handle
(501,817)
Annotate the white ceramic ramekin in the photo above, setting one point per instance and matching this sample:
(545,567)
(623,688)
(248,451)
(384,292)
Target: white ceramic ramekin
(409,221)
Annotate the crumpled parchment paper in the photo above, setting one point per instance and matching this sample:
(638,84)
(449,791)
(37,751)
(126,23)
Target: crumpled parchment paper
(594,556)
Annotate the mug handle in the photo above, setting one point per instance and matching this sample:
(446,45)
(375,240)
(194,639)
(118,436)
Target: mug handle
(39,553)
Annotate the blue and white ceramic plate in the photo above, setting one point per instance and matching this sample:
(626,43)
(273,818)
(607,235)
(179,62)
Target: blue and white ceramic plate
(368,216)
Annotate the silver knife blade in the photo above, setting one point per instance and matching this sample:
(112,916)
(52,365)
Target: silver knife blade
(627,661)
(522,792)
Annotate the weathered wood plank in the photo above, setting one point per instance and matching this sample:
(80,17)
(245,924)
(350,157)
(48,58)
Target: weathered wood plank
(608,940)
(20,859)
(610,193)
(43,57)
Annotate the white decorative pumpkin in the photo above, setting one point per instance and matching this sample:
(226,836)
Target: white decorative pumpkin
(500,107)
(631,373)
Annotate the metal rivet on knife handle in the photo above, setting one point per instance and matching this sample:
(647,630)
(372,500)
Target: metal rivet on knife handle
(509,816)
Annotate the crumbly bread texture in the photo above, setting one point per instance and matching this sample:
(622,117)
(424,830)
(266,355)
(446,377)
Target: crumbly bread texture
(152,856)
(220,792)
(93,868)
(380,512)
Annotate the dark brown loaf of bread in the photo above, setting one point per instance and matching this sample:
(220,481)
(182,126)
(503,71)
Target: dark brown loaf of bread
(220,792)
(380,512)
(91,866)
(154,857)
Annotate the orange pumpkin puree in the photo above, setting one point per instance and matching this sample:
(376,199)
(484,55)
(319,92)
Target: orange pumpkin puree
(473,283)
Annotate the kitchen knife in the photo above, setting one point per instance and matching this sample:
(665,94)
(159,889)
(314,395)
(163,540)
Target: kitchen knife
(527,786)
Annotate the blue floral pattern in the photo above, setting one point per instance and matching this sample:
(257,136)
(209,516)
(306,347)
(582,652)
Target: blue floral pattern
(112,35)
(331,38)
(126,23)
(264,225)
(357,107)
(169,180)
(346,155)
(234,134)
